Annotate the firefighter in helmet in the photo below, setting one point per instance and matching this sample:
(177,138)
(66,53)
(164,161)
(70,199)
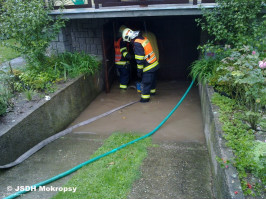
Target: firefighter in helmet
(147,63)
(122,58)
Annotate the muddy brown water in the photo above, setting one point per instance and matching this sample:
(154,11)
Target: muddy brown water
(181,140)
(185,125)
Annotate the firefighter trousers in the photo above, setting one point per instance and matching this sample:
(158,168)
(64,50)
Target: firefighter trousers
(148,84)
(124,75)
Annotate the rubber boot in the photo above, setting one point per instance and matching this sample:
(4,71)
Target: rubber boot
(144,100)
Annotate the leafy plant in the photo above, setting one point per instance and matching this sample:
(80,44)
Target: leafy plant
(77,63)
(29,23)
(248,153)
(223,163)
(203,69)
(5,96)
(57,68)
(246,79)
(235,22)
(29,94)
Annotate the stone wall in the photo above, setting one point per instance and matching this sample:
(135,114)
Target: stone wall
(80,35)
(225,180)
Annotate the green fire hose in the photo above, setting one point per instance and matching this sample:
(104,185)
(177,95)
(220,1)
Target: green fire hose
(103,155)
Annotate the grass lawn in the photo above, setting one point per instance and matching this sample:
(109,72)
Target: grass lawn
(7,53)
(112,176)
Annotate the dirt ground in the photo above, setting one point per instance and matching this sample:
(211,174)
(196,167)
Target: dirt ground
(21,106)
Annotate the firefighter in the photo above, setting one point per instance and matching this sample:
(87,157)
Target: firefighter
(122,58)
(147,63)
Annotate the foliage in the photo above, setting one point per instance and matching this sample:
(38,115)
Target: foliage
(260,155)
(54,69)
(240,75)
(246,79)
(236,22)
(29,23)
(32,79)
(77,63)
(57,68)
(112,176)
(8,53)
(4,99)
(204,69)
(248,153)
(7,88)
(29,94)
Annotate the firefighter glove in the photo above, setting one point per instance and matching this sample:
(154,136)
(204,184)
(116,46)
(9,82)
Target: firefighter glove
(128,56)
(139,74)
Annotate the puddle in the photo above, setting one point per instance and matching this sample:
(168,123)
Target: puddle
(185,125)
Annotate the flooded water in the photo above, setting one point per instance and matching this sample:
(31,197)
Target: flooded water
(184,125)
(181,144)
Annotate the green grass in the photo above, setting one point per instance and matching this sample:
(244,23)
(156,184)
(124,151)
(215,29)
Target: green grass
(7,53)
(110,177)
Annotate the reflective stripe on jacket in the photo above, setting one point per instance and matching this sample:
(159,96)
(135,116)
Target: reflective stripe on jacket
(120,52)
(144,55)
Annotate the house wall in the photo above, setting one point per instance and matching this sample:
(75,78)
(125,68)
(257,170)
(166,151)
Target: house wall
(80,35)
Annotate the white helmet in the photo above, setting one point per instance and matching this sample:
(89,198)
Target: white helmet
(127,34)
(123,27)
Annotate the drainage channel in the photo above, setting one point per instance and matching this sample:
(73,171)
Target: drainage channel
(185,126)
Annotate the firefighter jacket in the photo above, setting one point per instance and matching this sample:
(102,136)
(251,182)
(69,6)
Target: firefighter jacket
(144,55)
(121,53)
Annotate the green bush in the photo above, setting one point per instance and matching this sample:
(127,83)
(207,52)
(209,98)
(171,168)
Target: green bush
(29,23)
(249,154)
(4,99)
(3,106)
(57,68)
(246,79)
(239,73)
(36,80)
(74,64)
(204,69)
(236,22)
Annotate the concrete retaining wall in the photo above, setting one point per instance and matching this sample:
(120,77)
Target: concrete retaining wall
(225,180)
(49,117)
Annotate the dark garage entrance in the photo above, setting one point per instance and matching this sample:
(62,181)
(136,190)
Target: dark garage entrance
(177,38)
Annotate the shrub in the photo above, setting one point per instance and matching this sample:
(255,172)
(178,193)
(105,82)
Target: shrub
(249,154)
(242,72)
(204,69)
(29,23)
(77,63)
(236,22)
(4,99)
(57,68)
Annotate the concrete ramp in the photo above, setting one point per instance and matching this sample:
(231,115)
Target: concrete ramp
(175,171)
(176,167)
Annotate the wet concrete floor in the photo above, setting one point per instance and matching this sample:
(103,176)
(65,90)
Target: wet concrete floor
(184,125)
(178,167)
